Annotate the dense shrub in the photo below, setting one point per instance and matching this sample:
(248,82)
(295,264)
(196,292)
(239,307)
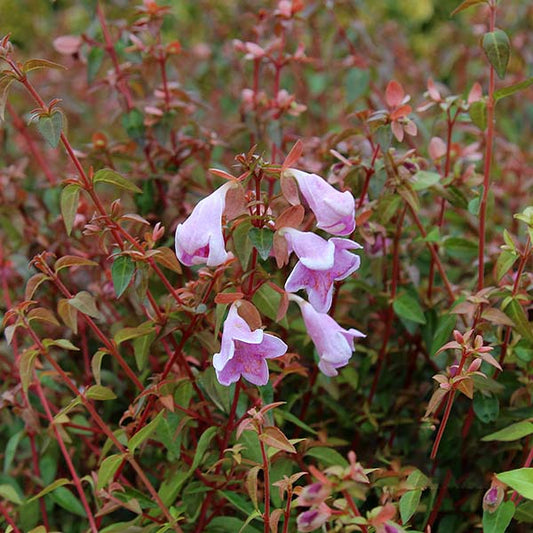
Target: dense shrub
(266,266)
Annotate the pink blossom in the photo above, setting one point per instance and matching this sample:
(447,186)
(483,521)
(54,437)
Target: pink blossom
(199,240)
(243,351)
(333,343)
(334,210)
(319,283)
(313,519)
(313,494)
(313,251)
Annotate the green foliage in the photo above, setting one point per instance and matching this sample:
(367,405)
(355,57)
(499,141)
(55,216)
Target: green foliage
(112,416)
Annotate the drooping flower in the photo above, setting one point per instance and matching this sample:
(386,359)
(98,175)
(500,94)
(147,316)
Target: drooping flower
(244,352)
(334,210)
(319,283)
(312,519)
(333,343)
(199,240)
(313,251)
(313,494)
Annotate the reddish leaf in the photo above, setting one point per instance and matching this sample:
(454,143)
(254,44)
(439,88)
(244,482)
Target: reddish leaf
(291,217)
(275,438)
(394,94)
(294,155)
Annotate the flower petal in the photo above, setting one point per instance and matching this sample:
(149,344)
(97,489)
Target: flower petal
(334,210)
(199,240)
(313,251)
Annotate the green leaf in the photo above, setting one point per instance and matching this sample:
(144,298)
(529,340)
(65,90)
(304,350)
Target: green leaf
(238,501)
(498,521)
(141,349)
(201,447)
(461,248)
(50,127)
(217,393)
(64,498)
(229,524)
(425,179)
(122,272)
(508,91)
(262,239)
(10,494)
(466,4)
(4,91)
(72,260)
(356,83)
(96,364)
(26,366)
(84,302)
(144,433)
(70,196)
(388,205)
(520,480)
(94,62)
(126,334)
(97,392)
(515,431)
(287,415)
(517,314)
(35,64)
(327,456)
(108,468)
(478,114)
(267,300)
(409,504)
(61,343)
(106,175)
(406,306)
(524,512)
(497,48)
(242,242)
(133,123)
(445,326)
(57,483)
(487,408)
(504,262)
(11,449)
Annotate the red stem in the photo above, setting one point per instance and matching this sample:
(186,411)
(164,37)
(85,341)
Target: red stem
(488,165)
(390,312)
(266,479)
(66,455)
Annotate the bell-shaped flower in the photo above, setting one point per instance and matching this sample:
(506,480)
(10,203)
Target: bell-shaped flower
(313,251)
(199,240)
(313,519)
(319,283)
(333,343)
(244,352)
(334,210)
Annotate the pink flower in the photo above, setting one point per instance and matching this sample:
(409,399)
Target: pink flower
(313,519)
(319,283)
(199,240)
(334,210)
(333,343)
(313,251)
(313,494)
(243,351)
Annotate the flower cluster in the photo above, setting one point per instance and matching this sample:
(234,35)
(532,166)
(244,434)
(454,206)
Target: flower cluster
(321,262)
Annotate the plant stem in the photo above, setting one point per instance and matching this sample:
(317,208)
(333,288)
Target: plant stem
(444,421)
(65,453)
(266,479)
(353,508)
(489,141)
(390,311)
